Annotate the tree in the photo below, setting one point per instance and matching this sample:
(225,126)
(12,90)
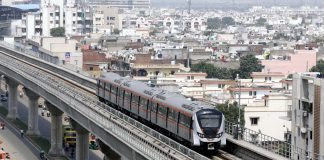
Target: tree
(58,32)
(319,67)
(261,21)
(231,112)
(214,23)
(227,21)
(249,64)
(116,31)
(212,71)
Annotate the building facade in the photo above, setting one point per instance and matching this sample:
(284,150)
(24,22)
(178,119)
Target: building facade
(307,116)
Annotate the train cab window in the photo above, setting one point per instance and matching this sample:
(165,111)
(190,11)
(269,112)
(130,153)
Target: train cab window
(172,114)
(162,110)
(184,120)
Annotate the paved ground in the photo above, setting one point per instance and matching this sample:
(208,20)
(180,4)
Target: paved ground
(17,149)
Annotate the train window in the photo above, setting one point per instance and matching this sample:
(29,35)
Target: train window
(107,87)
(127,95)
(113,89)
(172,114)
(162,110)
(143,102)
(185,120)
(153,106)
(135,99)
(121,92)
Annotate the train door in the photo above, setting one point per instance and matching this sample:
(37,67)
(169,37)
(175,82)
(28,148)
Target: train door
(121,97)
(161,116)
(107,91)
(135,102)
(113,95)
(143,107)
(153,112)
(127,100)
(101,89)
(184,126)
(172,120)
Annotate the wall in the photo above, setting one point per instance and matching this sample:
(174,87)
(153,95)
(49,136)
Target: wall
(301,61)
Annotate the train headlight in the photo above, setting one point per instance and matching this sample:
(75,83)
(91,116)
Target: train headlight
(219,135)
(201,135)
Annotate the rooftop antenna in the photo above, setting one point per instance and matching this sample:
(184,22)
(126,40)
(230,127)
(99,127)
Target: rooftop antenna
(189,6)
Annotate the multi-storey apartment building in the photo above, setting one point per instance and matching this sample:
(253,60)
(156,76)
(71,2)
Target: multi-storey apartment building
(75,18)
(106,18)
(308,116)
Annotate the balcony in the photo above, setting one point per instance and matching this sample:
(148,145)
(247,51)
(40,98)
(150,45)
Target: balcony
(38,26)
(79,18)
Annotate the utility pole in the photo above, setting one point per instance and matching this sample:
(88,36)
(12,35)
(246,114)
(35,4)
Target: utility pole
(239,100)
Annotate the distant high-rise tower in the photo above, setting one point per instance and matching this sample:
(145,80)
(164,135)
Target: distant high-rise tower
(189,6)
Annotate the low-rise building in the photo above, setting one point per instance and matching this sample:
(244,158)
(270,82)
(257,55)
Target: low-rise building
(267,115)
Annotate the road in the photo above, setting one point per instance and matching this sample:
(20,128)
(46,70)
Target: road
(44,123)
(12,144)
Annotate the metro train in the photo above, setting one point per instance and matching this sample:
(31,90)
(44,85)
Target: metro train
(191,122)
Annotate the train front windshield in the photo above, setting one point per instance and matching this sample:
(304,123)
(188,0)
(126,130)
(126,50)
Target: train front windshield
(210,121)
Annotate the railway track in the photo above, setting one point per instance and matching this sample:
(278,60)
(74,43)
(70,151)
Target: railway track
(222,155)
(91,94)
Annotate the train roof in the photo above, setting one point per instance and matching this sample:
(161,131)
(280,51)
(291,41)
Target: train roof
(158,94)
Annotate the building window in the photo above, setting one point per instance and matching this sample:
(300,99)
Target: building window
(112,18)
(311,135)
(269,78)
(74,14)
(265,78)
(254,93)
(250,93)
(254,120)
(51,14)
(91,68)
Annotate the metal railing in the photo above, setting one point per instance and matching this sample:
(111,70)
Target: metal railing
(22,48)
(105,116)
(269,143)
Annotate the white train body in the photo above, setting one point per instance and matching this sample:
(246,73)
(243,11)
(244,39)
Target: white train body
(196,123)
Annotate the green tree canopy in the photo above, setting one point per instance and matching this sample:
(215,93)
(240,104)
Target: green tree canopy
(249,64)
(227,21)
(261,21)
(58,32)
(319,67)
(116,31)
(231,112)
(212,71)
(214,23)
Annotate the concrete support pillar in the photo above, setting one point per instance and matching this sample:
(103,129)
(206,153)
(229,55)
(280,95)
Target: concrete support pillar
(108,152)
(32,112)
(12,104)
(82,144)
(56,149)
